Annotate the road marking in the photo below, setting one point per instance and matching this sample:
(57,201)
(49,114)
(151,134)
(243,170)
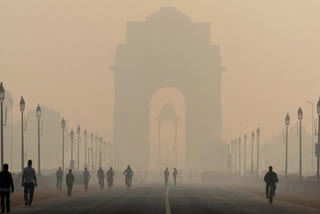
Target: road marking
(231,202)
(168,210)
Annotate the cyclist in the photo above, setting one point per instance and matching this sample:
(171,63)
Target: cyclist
(128,173)
(110,175)
(271,179)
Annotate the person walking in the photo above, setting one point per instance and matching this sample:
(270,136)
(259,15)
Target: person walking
(175,173)
(69,182)
(166,176)
(101,175)
(59,175)
(6,183)
(86,178)
(29,181)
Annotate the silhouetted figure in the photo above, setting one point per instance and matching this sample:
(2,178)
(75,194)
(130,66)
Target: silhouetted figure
(110,175)
(29,181)
(128,173)
(86,178)
(101,175)
(175,173)
(59,175)
(271,179)
(166,176)
(69,182)
(6,184)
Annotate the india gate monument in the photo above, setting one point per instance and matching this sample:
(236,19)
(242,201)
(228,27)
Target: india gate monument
(168,51)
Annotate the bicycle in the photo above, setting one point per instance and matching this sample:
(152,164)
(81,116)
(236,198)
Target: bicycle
(128,182)
(271,193)
(101,182)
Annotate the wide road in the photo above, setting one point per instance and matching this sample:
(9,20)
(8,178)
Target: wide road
(157,199)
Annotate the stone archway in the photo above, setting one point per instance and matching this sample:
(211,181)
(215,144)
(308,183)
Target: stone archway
(168,50)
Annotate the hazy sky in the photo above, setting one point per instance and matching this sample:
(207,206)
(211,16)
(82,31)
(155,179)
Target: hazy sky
(59,53)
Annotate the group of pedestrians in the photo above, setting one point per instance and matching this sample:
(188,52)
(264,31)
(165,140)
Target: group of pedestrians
(86,178)
(29,182)
(166,176)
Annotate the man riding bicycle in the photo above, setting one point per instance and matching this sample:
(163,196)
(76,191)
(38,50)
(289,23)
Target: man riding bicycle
(128,173)
(271,179)
(100,175)
(110,175)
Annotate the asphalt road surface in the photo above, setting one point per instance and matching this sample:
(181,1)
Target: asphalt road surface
(157,199)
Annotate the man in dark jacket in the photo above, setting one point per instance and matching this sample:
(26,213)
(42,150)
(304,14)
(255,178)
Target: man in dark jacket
(166,176)
(6,183)
(271,178)
(69,181)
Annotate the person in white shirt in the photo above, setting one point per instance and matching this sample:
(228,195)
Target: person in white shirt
(29,181)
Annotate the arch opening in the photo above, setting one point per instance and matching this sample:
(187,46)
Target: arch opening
(167,129)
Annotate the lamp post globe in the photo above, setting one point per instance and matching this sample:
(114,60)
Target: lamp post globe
(22,104)
(287,120)
(2,92)
(300,114)
(38,111)
(63,123)
(78,130)
(71,135)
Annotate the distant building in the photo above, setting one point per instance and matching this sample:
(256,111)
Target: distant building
(168,50)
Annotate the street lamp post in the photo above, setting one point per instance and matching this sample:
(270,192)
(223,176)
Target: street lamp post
(244,155)
(92,151)
(258,151)
(287,123)
(2,96)
(78,132)
(109,154)
(317,152)
(232,157)
(235,156)
(96,153)
(85,147)
(71,138)
(63,126)
(38,113)
(312,136)
(22,108)
(239,142)
(252,139)
(300,115)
